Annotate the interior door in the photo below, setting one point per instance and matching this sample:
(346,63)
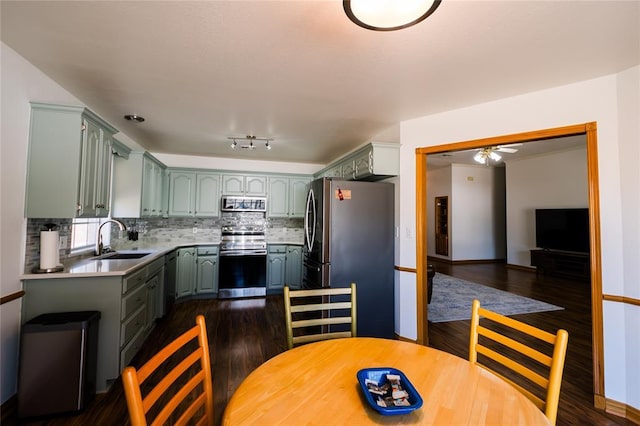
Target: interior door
(442,225)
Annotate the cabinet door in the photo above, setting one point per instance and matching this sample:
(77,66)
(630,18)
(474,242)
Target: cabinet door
(91,137)
(294,267)
(152,301)
(207,195)
(104,162)
(181,194)
(233,185)
(186,272)
(255,186)
(148,187)
(158,191)
(364,164)
(335,171)
(276,270)
(348,170)
(207,281)
(298,196)
(278,196)
(170,277)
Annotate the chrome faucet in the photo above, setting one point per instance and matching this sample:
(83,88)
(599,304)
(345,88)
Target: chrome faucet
(122,226)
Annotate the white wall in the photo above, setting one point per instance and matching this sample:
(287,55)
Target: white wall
(21,83)
(629,130)
(557,180)
(477,213)
(439,186)
(612,102)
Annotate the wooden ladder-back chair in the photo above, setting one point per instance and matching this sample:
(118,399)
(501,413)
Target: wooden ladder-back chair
(321,313)
(196,391)
(554,364)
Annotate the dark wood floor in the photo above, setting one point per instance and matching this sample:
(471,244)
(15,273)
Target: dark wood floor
(245,333)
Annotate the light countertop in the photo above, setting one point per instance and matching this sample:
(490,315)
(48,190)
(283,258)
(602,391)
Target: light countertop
(92,267)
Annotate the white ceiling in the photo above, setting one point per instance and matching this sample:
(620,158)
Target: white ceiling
(300,72)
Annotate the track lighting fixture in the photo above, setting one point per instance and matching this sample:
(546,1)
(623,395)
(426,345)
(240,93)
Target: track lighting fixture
(250,146)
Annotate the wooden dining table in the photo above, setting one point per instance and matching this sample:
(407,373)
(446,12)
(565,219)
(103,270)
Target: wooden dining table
(317,384)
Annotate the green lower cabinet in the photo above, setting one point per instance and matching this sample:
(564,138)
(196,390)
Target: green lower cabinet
(186,272)
(276,267)
(294,267)
(284,267)
(207,276)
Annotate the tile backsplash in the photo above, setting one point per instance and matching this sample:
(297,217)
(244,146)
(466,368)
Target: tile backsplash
(159,232)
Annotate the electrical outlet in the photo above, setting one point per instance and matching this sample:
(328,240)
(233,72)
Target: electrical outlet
(63,242)
(195,230)
(408,232)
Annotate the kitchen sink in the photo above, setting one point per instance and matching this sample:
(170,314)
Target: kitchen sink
(122,256)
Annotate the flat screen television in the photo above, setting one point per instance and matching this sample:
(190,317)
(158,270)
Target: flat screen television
(563,229)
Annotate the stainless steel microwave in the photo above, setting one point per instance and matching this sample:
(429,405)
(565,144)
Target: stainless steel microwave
(243,204)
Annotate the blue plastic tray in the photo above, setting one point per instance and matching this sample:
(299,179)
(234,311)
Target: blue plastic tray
(378,375)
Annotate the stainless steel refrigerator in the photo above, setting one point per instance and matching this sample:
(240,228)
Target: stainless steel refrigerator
(349,237)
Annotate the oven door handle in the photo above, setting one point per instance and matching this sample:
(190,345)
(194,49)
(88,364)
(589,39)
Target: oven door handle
(243,253)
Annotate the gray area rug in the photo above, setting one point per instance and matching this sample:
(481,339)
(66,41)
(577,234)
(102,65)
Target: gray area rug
(452,298)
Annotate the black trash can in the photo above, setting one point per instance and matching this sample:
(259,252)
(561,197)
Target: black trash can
(58,363)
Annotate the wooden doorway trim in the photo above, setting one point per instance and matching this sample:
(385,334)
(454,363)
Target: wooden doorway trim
(588,129)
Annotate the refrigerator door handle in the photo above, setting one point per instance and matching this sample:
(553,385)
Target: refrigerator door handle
(310,231)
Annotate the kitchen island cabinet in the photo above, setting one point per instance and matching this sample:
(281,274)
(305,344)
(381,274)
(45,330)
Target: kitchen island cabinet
(128,305)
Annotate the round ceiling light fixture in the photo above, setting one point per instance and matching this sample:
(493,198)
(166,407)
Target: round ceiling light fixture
(134,117)
(389,15)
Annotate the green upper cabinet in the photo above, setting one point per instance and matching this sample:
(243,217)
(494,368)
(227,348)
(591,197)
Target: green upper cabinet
(182,193)
(287,196)
(194,193)
(374,161)
(207,194)
(249,185)
(139,186)
(69,163)
(278,201)
(153,187)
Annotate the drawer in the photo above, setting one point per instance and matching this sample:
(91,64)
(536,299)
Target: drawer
(132,325)
(131,302)
(205,250)
(277,248)
(134,280)
(155,266)
(129,351)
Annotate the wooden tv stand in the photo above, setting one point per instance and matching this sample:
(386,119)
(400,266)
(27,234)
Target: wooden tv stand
(565,264)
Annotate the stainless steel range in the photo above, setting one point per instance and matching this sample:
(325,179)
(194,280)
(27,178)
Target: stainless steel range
(243,261)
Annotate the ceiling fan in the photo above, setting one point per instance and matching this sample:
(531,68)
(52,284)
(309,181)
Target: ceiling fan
(491,153)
